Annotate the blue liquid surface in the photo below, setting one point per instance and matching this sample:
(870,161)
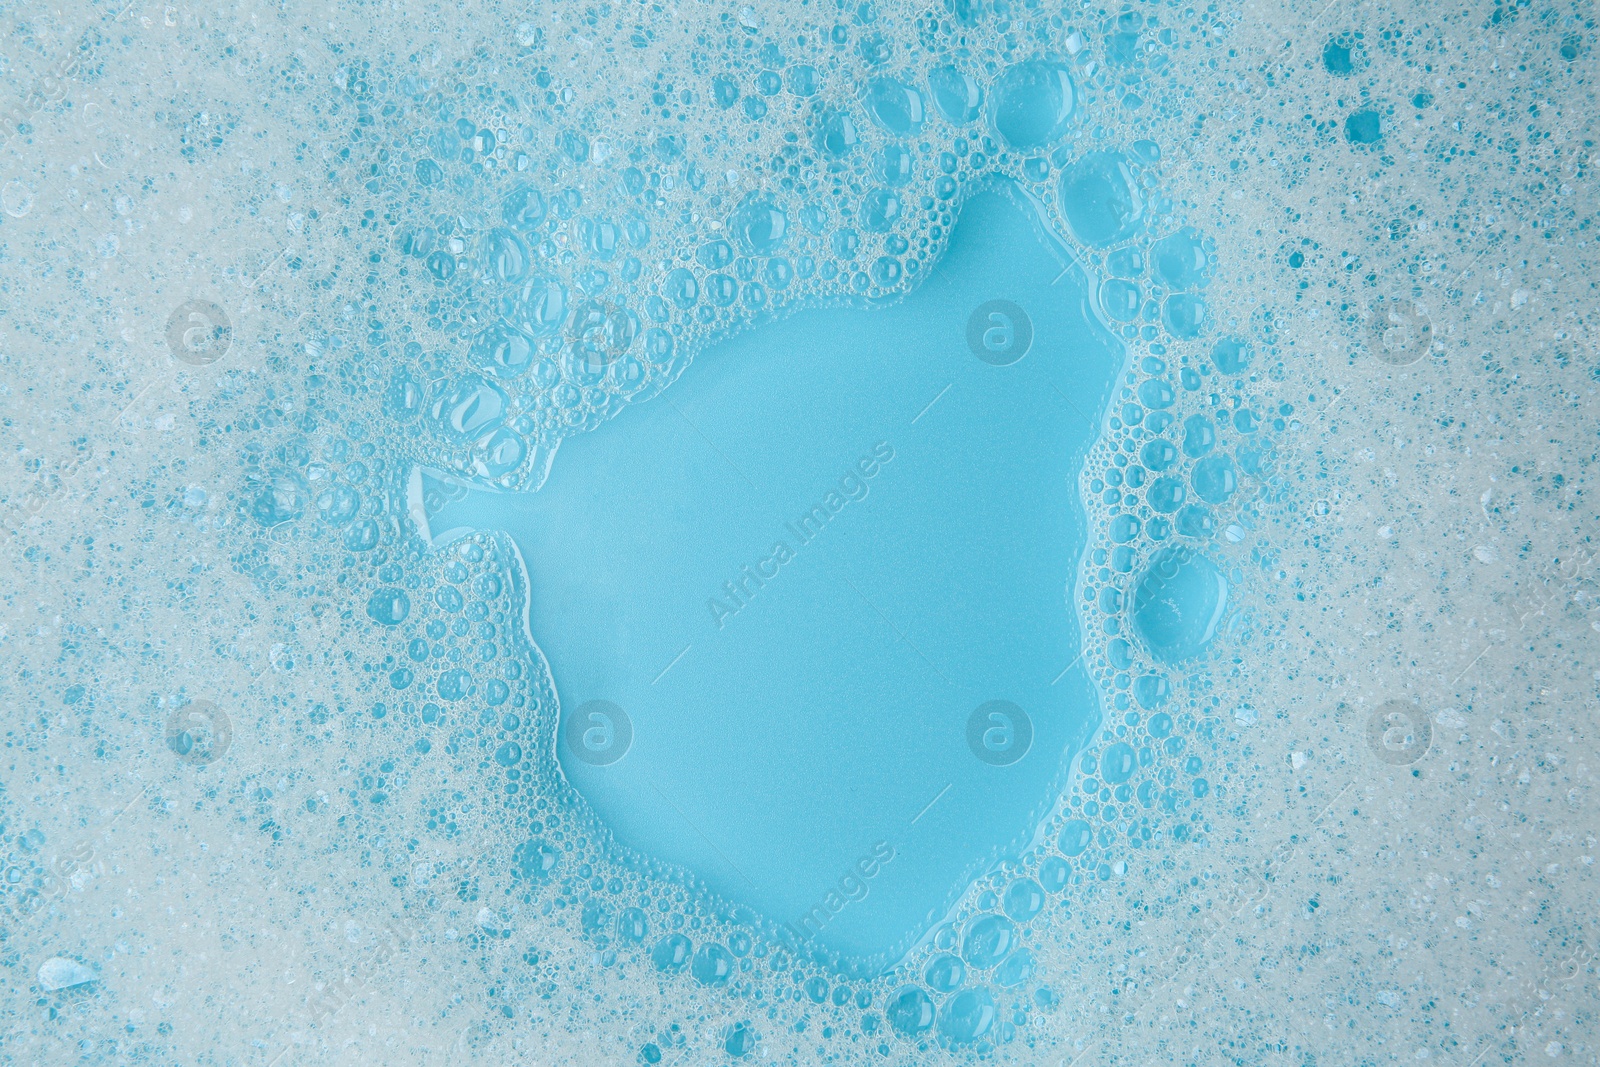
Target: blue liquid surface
(803,569)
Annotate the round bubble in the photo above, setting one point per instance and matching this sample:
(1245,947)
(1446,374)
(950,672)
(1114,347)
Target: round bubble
(502,350)
(1100,199)
(895,107)
(839,135)
(892,164)
(1363,127)
(1151,691)
(722,289)
(880,210)
(1199,436)
(1023,900)
(1032,104)
(1053,874)
(987,940)
(1158,454)
(280,498)
(1180,259)
(1178,604)
(455,684)
(337,505)
(1184,315)
(500,453)
(1017,968)
(389,606)
(712,965)
(1121,300)
(601,238)
(1117,763)
(428,172)
(968,1015)
(1156,393)
(1196,521)
(956,96)
(1167,495)
(469,408)
(1214,478)
(542,306)
(671,953)
(945,973)
(714,255)
(505,256)
(804,80)
(632,925)
(682,288)
(405,397)
(1075,837)
(524,209)
(533,861)
(910,1011)
(1231,355)
(363,536)
(760,226)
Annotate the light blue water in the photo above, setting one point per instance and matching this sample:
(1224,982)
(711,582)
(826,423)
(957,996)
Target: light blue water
(861,534)
(800,588)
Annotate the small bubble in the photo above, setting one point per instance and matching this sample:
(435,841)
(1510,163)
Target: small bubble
(16,200)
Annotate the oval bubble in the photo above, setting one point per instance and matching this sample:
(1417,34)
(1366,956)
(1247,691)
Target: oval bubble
(1075,837)
(956,95)
(987,940)
(502,350)
(1178,604)
(760,226)
(1033,103)
(1180,259)
(894,106)
(968,1016)
(910,1011)
(1100,199)
(945,973)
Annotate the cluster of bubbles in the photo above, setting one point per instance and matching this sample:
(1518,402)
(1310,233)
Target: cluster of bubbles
(531,271)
